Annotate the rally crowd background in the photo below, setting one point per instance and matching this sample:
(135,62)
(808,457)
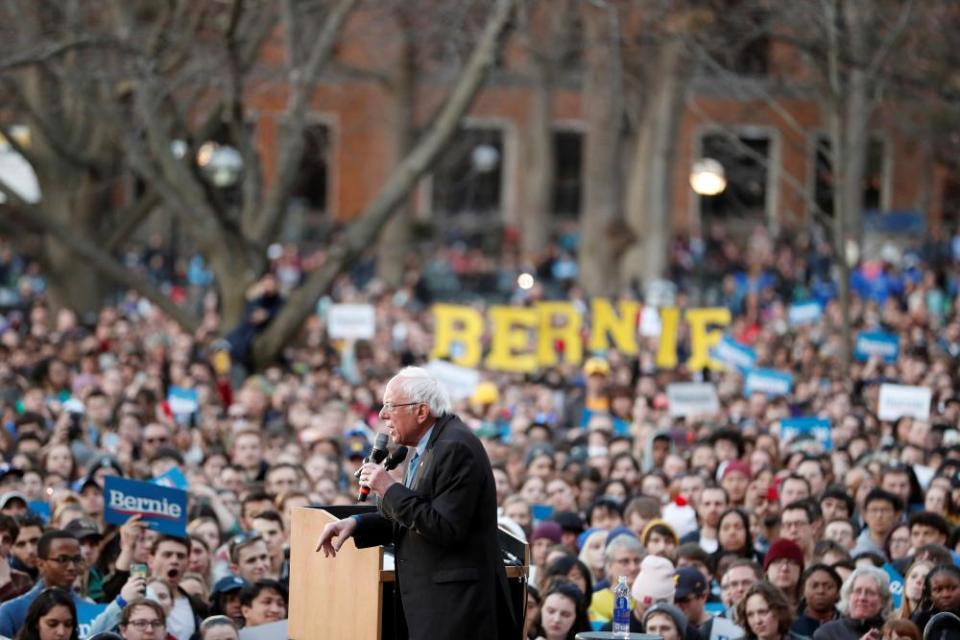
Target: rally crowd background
(722,528)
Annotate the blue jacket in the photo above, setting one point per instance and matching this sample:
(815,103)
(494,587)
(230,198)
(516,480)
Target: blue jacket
(14,612)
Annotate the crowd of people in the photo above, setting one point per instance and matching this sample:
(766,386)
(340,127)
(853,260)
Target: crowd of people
(723,528)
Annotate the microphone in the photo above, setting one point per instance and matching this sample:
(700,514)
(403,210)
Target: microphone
(378,453)
(399,455)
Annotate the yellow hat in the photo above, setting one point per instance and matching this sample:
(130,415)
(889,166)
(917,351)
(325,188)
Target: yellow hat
(485,393)
(596,366)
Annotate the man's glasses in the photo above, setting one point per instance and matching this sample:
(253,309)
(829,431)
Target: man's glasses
(390,406)
(77,560)
(143,625)
(241,540)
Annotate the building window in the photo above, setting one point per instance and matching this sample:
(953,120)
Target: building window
(567,173)
(468,178)
(873,181)
(746,158)
(311,185)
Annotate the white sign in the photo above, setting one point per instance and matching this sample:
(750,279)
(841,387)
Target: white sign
(459,381)
(897,400)
(351,321)
(692,399)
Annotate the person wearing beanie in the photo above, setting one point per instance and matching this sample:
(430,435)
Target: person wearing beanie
(681,516)
(666,621)
(545,535)
(782,566)
(659,539)
(654,582)
(735,480)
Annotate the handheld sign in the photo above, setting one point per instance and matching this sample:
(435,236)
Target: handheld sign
(733,354)
(692,399)
(767,381)
(351,321)
(183,403)
(803,313)
(459,381)
(163,509)
(897,400)
(819,428)
(896,584)
(870,344)
(87,612)
(173,478)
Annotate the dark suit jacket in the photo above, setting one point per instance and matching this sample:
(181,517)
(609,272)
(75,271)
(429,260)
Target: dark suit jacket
(444,529)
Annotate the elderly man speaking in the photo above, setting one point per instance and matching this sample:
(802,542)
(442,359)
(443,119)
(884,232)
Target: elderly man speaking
(442,519)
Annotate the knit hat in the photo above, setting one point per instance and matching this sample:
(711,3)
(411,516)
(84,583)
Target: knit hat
(782,548)
(681,516)
(583,537)
(616,532)
(736,466)
(645,532)
(549,530)
(662,607)
(655,582)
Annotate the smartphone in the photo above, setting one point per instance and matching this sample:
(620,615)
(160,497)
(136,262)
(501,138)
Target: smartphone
(138,570)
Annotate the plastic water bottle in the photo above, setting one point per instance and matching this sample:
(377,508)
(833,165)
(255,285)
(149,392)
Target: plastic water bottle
(621,608)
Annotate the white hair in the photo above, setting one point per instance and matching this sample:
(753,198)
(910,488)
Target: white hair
(883,586)
(418,385)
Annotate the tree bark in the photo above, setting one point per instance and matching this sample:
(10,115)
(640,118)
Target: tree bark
(648,190)
(601,156)
(397,188)
(394,245)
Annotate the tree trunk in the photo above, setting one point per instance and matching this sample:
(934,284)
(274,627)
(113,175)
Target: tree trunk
(538,156)
(601,156)
(649,188)
(395,190)
(394,245)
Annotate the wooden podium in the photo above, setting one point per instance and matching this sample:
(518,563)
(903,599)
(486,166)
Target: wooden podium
(350,597)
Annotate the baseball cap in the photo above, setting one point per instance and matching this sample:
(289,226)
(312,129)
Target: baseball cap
(104,462)
(690,582)
(485,393)
(596,366)
(228,584)
(83,528)
(84,482)
(12,495)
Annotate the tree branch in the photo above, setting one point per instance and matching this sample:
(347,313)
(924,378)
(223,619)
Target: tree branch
(402,180)
(100,260)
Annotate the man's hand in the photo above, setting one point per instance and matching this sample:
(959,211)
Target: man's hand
(341,530)
(130,532)
(376,477)
(134,588)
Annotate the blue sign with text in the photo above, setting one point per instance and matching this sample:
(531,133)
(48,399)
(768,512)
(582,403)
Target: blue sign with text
(87,612)
(173,478)
(767,381)
(733,354)
(804,313)
(871,344)
(163,509)
(819,428)
(896,584)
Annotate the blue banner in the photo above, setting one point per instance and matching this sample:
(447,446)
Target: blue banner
(871,344)
(173,479)
(733,354)
(87,612)
(162,508)
(41,508)
(896,584)
(804,313)
(767,381)
(819,428)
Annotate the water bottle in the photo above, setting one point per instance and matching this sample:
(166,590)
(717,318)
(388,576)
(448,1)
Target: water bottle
(621,608)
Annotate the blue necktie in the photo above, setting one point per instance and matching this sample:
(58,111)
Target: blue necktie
(412,469)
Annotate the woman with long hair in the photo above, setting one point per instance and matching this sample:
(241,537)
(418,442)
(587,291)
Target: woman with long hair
(765,614)
(563,612)
(569,567)
(51,616)
(941,592)
(733,535)
(913,581)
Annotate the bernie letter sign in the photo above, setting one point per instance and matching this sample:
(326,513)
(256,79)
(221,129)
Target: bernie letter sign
(163,509)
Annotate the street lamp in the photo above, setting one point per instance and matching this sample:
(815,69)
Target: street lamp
(221,163)
(707,177)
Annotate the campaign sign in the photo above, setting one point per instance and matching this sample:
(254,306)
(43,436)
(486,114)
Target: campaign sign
(183,401)
(87,612)
(804,313)
(733,354)
(161,508)
(173,479)
(896,584)
(898,400)
(351,321)
(871,344)
(692,399)
(767,381)
(459,381)
(41,508)
(819,428)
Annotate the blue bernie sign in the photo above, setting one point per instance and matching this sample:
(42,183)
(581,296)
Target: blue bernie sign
(733,354)
(871,344)
(819,428)
(163,509)
(767,381)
